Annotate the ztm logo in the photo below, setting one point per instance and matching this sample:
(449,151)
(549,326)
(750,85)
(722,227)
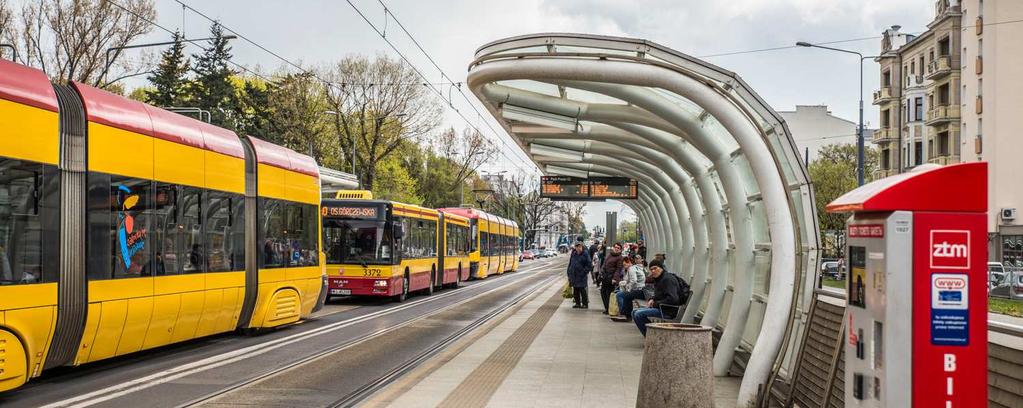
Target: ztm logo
(950,249)
(950,283)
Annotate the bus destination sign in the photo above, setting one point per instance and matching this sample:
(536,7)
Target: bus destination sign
(346,211)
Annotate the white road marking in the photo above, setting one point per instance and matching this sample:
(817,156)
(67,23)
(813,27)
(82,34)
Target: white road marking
(116,391)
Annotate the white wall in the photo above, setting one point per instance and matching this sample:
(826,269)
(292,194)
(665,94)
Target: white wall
(814,127)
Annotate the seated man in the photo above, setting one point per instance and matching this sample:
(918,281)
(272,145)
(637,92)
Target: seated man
(667,291)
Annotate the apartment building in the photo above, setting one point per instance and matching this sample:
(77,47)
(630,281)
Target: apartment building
(954,93)
(992,85)
(919,98)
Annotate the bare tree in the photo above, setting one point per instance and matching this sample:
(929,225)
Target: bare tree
(69,39)
(468,150)
(519,199)
(297,103)
(6,26)
(378,104)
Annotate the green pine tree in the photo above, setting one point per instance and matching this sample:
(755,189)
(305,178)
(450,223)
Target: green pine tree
(169,82)
(212,89)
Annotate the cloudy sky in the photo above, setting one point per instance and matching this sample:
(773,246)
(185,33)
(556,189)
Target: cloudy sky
(317,32)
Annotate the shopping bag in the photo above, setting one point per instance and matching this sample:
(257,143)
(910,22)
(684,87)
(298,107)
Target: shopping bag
(612,304)
(566,291)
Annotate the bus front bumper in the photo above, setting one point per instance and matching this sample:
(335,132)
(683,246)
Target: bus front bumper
(360,286)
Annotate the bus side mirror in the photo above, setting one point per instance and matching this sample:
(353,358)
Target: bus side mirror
(399,231)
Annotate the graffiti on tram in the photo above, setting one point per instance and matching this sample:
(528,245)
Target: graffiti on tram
(132,240)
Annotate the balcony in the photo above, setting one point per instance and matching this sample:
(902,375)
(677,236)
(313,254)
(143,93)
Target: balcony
(940,67)
(942,114)
(883,135)
(946,159)
(883,95)
(882,173)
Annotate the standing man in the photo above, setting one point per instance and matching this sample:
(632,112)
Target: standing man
(611,274)
(668,291)
(641,250)
(579,266)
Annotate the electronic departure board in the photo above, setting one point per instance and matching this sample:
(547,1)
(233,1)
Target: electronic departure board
(565,188)
(614,187)
(590,189)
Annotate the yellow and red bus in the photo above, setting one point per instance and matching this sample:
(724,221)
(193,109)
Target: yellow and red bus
(493,242)
(125,227)
(379,247)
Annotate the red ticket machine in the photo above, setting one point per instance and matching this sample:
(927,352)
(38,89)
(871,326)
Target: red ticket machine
(916,317)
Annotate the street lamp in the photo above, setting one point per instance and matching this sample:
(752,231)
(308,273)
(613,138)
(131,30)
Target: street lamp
(859,132)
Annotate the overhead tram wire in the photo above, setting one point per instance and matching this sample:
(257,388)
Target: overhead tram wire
(425,82)
(437,91)
(387,11)
(193,42)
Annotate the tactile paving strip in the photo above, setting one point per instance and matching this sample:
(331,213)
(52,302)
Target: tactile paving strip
(480,385)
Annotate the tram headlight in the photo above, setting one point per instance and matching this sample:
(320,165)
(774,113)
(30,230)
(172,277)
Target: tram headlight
(380,283)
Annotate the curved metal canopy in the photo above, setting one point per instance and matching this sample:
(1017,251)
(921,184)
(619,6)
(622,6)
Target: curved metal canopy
(722,189)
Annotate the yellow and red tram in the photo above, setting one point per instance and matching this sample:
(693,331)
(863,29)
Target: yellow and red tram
(125,227)
(493,242)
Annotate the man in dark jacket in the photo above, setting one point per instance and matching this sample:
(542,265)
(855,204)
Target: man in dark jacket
(641,250)
(611,274)
(579,266)
(668,291)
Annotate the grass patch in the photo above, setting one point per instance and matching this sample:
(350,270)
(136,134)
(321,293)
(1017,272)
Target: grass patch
(833,283)
(1005,306)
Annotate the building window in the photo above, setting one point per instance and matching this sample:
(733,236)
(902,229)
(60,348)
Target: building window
(885,159)
(918,108)
(943,144)
(885,119)
(1012,250)
(921,66)
(918,153)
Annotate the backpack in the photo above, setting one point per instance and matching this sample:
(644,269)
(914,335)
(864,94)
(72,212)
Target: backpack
(685,292)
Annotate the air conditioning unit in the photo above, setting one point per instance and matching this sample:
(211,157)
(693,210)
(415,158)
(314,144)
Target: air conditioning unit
(1008,214)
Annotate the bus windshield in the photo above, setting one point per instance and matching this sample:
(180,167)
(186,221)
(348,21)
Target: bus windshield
(357,242)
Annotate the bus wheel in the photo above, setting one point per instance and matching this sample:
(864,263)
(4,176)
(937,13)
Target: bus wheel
(404,288)
(433,281)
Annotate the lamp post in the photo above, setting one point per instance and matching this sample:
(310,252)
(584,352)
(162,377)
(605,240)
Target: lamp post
(859,132)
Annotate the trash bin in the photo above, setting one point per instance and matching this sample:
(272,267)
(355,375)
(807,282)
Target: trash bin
(677,367)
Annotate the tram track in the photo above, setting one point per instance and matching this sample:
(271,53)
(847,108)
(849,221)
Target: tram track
(368,389)
(276,350)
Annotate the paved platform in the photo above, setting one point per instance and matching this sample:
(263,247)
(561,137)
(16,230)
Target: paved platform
(542,354)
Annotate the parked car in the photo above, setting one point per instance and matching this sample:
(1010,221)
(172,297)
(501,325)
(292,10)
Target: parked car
(528,254)
(550,253)
(995,272)
(1010,286)
(832,269)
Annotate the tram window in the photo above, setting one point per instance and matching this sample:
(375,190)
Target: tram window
(302,234)
(273,242)
(225,232)
(119,214)
(177,238)
(27,236)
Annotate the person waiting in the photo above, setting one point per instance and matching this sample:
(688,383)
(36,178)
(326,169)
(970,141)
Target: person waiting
(667,292)
(631,287)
